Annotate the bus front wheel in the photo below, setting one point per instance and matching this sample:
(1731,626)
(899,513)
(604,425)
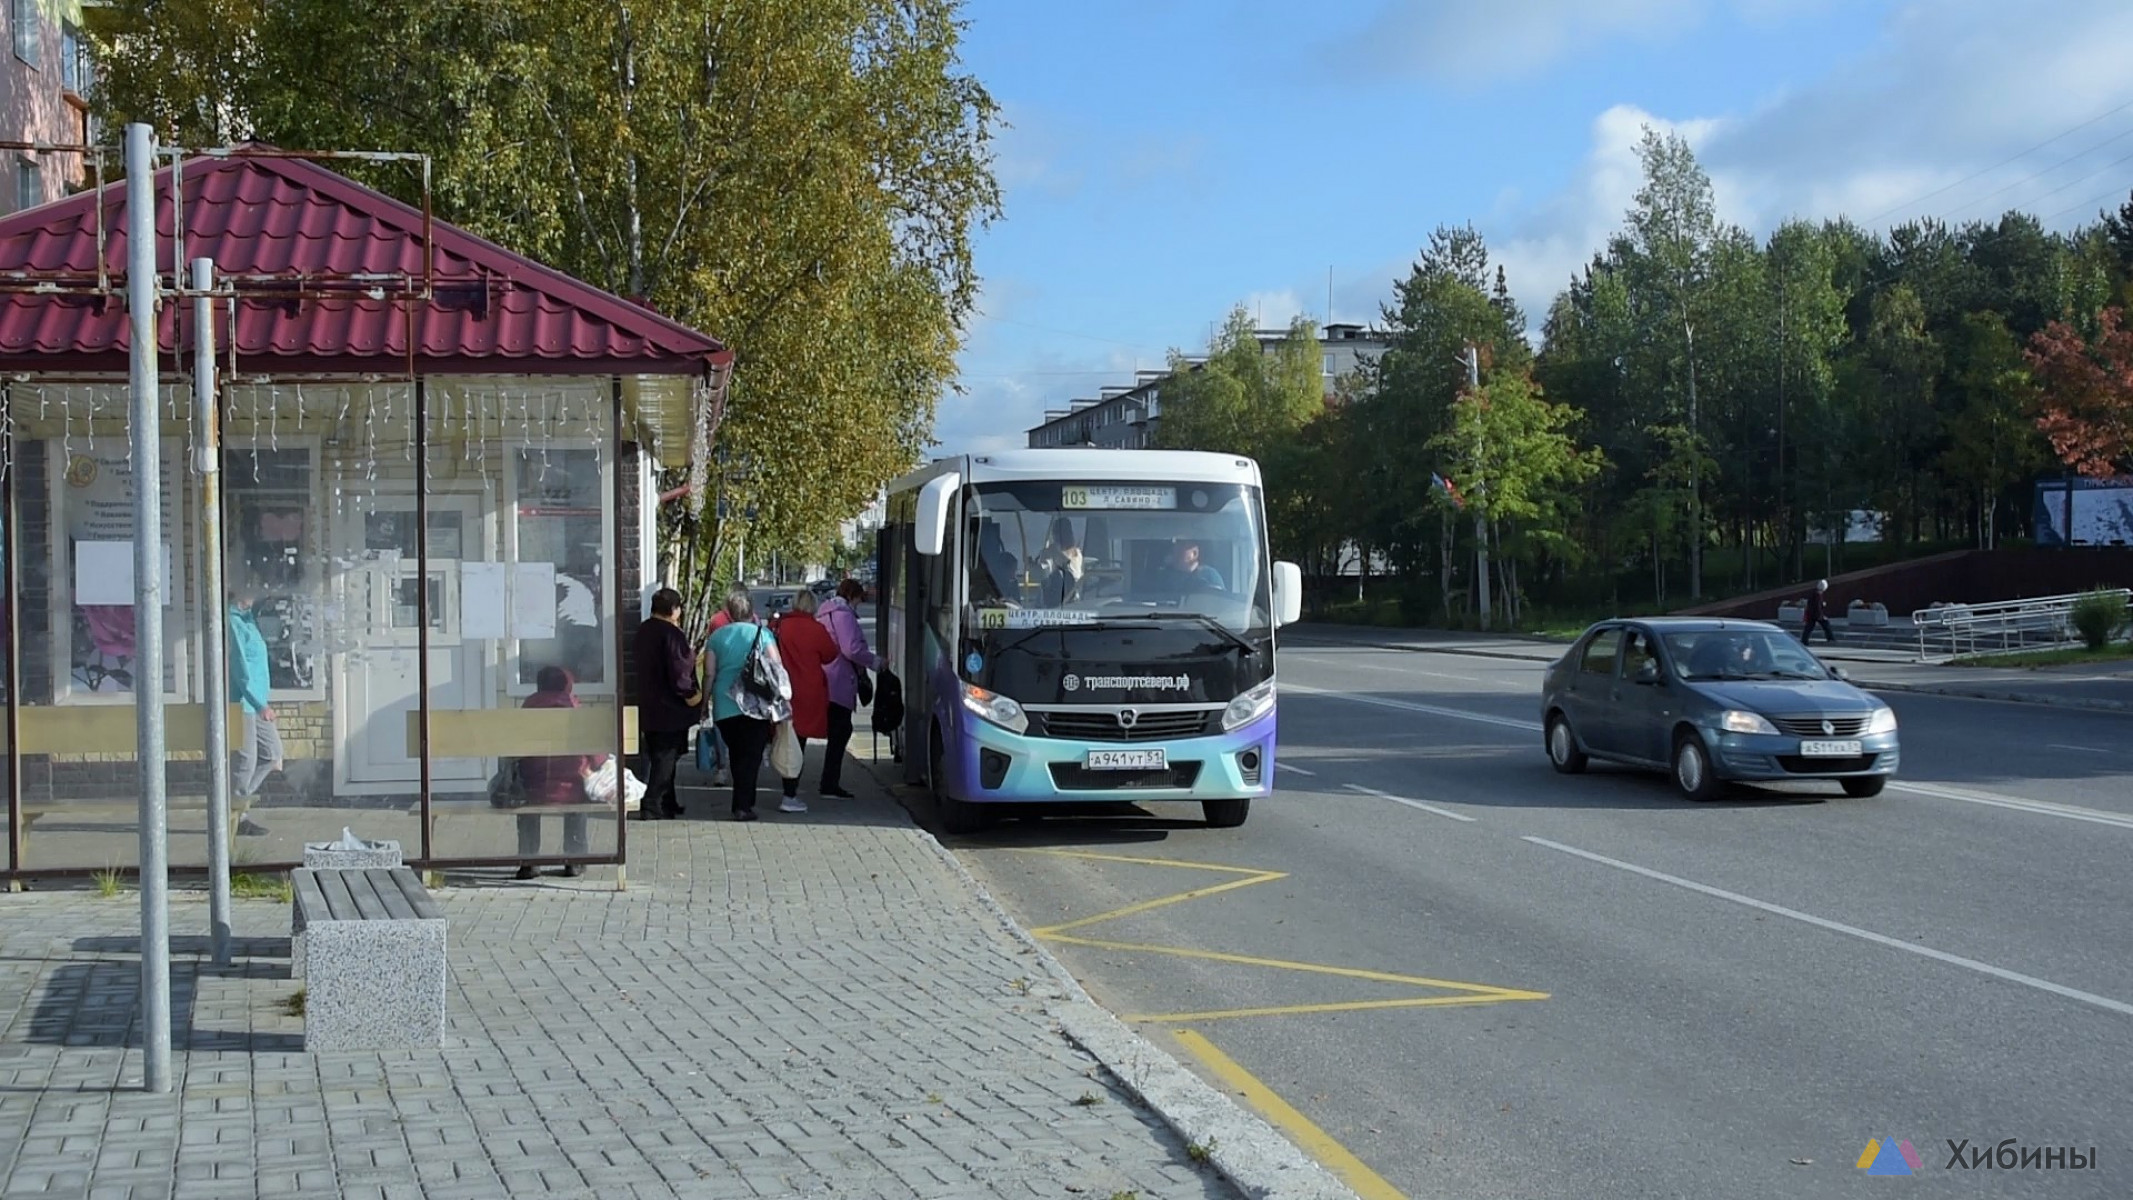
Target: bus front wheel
(1226,814)
(956,816)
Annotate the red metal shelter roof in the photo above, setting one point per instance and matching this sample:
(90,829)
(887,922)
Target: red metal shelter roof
(336,270)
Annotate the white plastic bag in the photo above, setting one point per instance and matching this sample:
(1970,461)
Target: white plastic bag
(786,757)
(600,787)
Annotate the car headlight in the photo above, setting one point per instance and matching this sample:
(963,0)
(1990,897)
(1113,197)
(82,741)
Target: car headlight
(1737,721)
(1883,721)
(1249,707)
(994,707)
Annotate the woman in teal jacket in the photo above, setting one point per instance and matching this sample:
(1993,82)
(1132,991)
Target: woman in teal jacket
(260,753)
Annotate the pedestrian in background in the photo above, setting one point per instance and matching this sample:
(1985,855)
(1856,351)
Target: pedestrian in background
(844,676)
(668,700)
(1817,614)
(807,648)
(259,752)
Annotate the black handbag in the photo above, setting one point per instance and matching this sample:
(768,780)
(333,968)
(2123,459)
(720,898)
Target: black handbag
(866,686)
(507,789)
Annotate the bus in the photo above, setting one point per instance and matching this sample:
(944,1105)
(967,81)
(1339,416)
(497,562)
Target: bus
(1081,625)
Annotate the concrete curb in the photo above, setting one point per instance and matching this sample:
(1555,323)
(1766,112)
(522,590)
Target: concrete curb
(2007,697)
(1247,1151)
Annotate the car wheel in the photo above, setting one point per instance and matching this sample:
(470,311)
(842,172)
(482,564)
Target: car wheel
(1692,768)
(1864,786)
(1226,814)
(1563,749)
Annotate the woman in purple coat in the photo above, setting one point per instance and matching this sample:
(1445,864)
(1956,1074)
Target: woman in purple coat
(842,674)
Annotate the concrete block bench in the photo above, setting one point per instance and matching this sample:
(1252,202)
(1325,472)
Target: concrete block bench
(369,945)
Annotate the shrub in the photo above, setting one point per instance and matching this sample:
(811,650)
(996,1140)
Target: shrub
(2098,616)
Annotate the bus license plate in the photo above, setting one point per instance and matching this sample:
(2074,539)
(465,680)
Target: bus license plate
(1125,760)
(1829,749)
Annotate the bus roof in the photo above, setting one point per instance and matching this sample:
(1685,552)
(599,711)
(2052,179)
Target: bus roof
(1155,466)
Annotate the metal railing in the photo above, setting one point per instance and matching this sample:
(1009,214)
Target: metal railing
(2009,621)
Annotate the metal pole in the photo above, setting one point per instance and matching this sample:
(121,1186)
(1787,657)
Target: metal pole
(207,419)
(1481,526)
(147,449)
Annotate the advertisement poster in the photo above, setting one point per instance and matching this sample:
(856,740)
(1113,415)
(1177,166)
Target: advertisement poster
(96,512)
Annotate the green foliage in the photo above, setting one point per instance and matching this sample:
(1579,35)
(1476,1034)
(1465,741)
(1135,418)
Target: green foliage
(2098,616)
(296,1002)
(249,886)
(110,883)
(800,178)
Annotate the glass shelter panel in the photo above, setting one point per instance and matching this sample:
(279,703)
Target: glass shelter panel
(521,609)
(72,477)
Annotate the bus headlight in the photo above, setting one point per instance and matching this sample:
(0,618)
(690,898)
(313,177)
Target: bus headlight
(994,707)
(1249,707)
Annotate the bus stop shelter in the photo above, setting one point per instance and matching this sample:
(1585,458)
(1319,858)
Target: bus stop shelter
(438,470)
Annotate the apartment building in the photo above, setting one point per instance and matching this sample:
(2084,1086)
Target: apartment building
(45,79)
(1125,417)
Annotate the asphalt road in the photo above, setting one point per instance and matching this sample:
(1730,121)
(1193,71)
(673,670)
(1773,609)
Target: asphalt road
(1737,995)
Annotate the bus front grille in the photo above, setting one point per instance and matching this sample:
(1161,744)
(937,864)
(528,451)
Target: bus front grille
(1073,777)
(1105,726)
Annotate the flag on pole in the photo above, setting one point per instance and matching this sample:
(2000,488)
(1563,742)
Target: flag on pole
(1441,484)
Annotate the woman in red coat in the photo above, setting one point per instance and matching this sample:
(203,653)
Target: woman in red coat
(553,779)
(807,648)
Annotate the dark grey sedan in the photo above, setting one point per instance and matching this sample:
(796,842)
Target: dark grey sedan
(1710,702)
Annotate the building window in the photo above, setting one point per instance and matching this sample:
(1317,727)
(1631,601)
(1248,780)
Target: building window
(29,184)
(28,26)
(559,521)
(76,72)
(1329,364)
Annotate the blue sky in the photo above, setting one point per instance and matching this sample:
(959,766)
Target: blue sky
(1167,159)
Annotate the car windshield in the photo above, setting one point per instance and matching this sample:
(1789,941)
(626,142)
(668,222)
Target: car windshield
(1082,553)
(1741,654)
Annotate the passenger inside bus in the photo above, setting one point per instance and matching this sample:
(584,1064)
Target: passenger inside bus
(997,577)
(1060,565)
(1185,572)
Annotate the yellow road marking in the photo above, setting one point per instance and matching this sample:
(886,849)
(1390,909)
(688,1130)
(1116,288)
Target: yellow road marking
(1282,964)
(1291,1010)
(1308,1136)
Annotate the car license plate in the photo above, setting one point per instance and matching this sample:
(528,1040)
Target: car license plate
(1829,750)
(1125,760)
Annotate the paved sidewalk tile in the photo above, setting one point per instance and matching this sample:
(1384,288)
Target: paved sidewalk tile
(810,1005)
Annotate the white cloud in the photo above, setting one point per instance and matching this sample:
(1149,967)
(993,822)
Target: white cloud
(1953,89)
(1273,309)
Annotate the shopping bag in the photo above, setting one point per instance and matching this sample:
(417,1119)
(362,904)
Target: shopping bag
(786,758)
(600,786)
(706,749)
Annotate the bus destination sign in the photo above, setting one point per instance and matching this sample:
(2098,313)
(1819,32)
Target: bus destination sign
(1113,496)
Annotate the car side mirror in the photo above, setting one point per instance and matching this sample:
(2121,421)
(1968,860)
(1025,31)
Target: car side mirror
(1648,674)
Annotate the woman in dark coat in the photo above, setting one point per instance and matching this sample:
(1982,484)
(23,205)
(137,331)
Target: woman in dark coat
(553,780)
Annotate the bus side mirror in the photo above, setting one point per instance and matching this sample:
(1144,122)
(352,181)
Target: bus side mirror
(1288,593)
(929,529)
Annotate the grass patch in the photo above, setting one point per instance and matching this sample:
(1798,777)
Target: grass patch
(110,883)
(1125,1196)
(294,1005)
(1199,1154)
(247,886)
(1088,1100)
(2118,652)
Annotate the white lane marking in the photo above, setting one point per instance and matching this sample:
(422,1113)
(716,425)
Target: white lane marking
(2042,808)
(1385,670)
(1428,808)
(1879,939)
(1411,706)
(2083,749)
(1282,766)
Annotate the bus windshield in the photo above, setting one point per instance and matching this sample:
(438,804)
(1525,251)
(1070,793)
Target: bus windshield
(1085,553)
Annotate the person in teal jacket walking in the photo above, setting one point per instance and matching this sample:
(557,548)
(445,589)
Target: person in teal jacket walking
(259,753)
